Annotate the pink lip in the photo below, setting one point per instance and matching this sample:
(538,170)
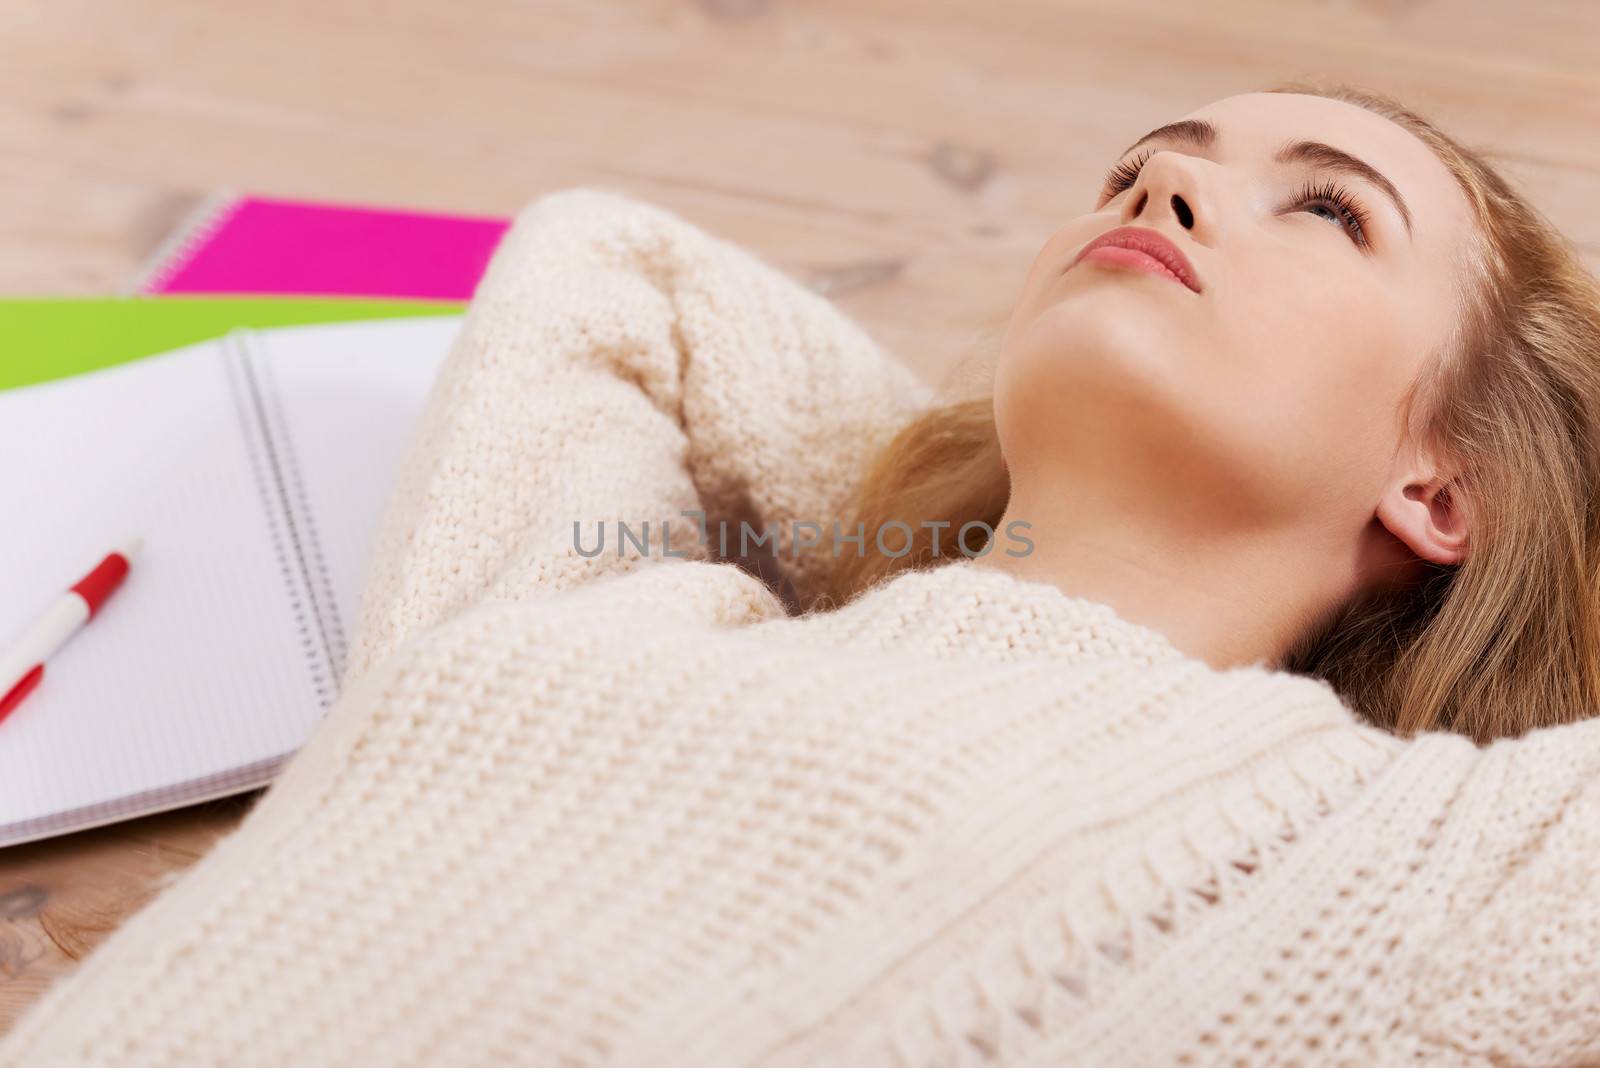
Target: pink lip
(1142,248)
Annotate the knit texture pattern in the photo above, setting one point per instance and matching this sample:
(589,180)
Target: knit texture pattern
(626,810)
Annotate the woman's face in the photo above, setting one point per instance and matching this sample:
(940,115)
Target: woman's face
(1271,398)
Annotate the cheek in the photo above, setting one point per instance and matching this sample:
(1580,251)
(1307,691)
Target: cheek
(1325,369)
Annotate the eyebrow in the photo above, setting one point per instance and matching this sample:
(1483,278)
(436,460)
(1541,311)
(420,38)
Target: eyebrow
(1203,134)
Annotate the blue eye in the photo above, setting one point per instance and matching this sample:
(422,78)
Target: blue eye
(1346,210)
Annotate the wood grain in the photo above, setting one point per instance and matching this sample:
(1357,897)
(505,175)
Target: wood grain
(906,159)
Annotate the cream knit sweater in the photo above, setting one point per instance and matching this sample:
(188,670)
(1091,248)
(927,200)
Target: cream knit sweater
(627,811)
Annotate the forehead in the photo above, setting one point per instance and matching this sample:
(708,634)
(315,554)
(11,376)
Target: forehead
(1253,126)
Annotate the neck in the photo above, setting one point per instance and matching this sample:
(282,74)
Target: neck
(1229,598)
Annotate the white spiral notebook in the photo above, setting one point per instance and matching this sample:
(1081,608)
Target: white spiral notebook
(256,468)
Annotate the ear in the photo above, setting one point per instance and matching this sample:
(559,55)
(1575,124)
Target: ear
(1425,510)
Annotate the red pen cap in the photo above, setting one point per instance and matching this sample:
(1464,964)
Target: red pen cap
(97,585)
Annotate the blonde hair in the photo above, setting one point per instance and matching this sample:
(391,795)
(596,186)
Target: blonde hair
(1504,641)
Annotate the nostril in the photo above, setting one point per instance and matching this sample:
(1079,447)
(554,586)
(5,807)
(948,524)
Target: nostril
(1185,216)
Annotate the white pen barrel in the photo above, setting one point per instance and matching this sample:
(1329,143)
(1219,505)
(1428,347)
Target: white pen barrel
(42,637)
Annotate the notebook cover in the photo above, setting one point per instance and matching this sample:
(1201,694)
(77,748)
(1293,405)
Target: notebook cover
(251,244)
(47,338)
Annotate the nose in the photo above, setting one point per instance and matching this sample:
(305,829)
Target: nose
(1169,186)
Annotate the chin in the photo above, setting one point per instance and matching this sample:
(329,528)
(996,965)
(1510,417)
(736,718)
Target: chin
(1101,341)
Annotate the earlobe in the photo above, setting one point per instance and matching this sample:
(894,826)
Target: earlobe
(1429,517)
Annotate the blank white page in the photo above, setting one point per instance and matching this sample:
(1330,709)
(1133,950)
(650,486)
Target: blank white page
(349,395)
(255,469)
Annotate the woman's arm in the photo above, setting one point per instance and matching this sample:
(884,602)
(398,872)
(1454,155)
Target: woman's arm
(619,363)
(1514,977)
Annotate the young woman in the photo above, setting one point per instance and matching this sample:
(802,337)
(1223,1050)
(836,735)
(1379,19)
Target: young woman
(1361,444)
(597,797)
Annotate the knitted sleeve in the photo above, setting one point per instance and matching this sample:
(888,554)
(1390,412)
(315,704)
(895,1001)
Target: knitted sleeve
(1514,976)
(570,434)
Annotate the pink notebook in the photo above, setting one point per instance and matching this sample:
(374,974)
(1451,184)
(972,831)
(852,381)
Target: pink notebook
(261,245)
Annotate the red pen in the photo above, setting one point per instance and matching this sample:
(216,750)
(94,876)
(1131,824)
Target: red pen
(22,665)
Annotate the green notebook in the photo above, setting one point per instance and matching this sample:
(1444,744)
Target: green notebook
(45,338)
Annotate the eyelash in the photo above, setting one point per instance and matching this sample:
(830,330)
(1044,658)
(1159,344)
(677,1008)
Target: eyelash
(1329,194)
(1124,174)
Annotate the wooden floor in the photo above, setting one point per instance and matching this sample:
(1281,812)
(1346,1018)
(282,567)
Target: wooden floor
(905,158)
